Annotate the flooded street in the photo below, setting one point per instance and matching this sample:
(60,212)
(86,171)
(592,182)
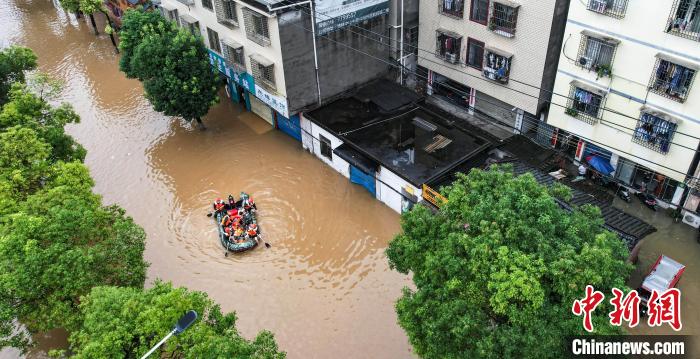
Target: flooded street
(324,288)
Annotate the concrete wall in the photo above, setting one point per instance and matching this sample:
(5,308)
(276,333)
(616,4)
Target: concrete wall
(642,36)
(389,186)
(528,46)
(340,67)
(207,18)
(339,164)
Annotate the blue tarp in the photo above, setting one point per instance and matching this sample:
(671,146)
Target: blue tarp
(600,164)
(363,179)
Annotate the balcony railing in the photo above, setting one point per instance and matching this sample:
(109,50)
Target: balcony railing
(451,8)
(504,18)
(671,80)
(654,132)
(684,20)
(448,46)
(612,8)
(584,105)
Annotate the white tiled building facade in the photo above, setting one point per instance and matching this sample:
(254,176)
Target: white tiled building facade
(627,72)
(497,48)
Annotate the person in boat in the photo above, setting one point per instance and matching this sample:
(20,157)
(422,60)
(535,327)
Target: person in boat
(227,232)
(238,234)
(252,231)
(230,216)
(231,203)
(219,206)
(249,204)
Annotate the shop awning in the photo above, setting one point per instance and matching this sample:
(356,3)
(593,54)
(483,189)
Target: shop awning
(610,40)
(678,61)
(600,164)
(355,158)
(590,88)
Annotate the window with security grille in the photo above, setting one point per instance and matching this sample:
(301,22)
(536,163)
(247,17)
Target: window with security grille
(684,19)
(475,53)
(256,27)
(207,5)
(671,80)
(496,66)
(584,105)
(190,24)
(596,55)
(613,8)
(479,11)
(503,19)
(654,132)
(448,46)
(214,43)
(411,40)
(452,8)
(226,12)
(263,74)
(234,57)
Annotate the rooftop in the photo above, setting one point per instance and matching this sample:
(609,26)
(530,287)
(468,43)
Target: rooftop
(383,122)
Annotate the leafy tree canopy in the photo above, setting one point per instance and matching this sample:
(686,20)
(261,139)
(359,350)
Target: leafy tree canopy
(497,269)
(70,5)
(136,25)
(14,62)
(126,322)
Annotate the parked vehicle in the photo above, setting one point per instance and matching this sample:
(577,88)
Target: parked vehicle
(647,199)
(664,274)
(624,194)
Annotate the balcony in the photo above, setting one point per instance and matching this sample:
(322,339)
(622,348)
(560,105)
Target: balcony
(684,19)
(585,102)
(504,17)
(655,130)
(448,46)
(451,8)
(612,8)
(596,53)
(496,65)
(672,78)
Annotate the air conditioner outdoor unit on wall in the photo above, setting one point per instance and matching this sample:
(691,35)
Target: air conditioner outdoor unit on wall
(691,219)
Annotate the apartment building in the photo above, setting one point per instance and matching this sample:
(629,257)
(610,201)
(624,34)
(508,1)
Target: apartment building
(273,64)
(492,56)
(628,96)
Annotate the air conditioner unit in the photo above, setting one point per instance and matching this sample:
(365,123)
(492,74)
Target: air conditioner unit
(598,5)
(451,58)
(691,219)
(585,62)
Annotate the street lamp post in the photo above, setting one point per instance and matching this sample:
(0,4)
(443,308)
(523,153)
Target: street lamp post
(183,323)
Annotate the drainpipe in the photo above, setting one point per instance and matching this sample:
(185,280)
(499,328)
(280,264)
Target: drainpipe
(401,59)
(394,27)
(313,33)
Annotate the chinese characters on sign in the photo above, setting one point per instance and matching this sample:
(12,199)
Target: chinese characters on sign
(663,307)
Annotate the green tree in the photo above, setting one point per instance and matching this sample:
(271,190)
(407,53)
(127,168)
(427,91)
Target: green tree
(497,269)
(126,322)
(59,244)
(172,63)
(14,62)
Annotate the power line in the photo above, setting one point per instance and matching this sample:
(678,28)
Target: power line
(603,108)
(498,105)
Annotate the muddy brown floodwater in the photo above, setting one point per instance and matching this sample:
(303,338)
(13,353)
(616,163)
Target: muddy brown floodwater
(324,288)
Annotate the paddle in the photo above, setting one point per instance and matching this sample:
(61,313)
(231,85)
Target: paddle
(210,214)
(267,245)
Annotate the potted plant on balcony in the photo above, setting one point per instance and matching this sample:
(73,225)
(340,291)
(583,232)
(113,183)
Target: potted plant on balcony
(571,112)
(492,24)
(603,70)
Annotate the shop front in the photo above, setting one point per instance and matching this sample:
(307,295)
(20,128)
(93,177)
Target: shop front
(241,88)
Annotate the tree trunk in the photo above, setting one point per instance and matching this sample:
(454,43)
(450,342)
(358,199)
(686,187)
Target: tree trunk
(111,34)
(94,25)
(200,124)
(78,14)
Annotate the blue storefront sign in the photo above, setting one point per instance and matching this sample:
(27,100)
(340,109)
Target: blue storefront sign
(247,81)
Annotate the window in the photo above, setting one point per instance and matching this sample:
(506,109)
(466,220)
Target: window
(584,104)
(226,13)
(263,72)
(613,8)
(411,41)
(233,54)
(207,5)
(454,8)
(256,27)
(171,14)
(654,131)
(448,46)
(671,80)
(190,24)
(475,53)
(596,54)
(479,11)
(684,19)
(213,40)
(326,149)
(503,19)
(497,65)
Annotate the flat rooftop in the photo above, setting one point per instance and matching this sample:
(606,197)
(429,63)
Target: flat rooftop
(383,122)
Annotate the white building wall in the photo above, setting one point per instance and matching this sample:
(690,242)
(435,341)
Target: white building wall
(528,46)
(641,35)
(339,164)
(207,18)
(389,186)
